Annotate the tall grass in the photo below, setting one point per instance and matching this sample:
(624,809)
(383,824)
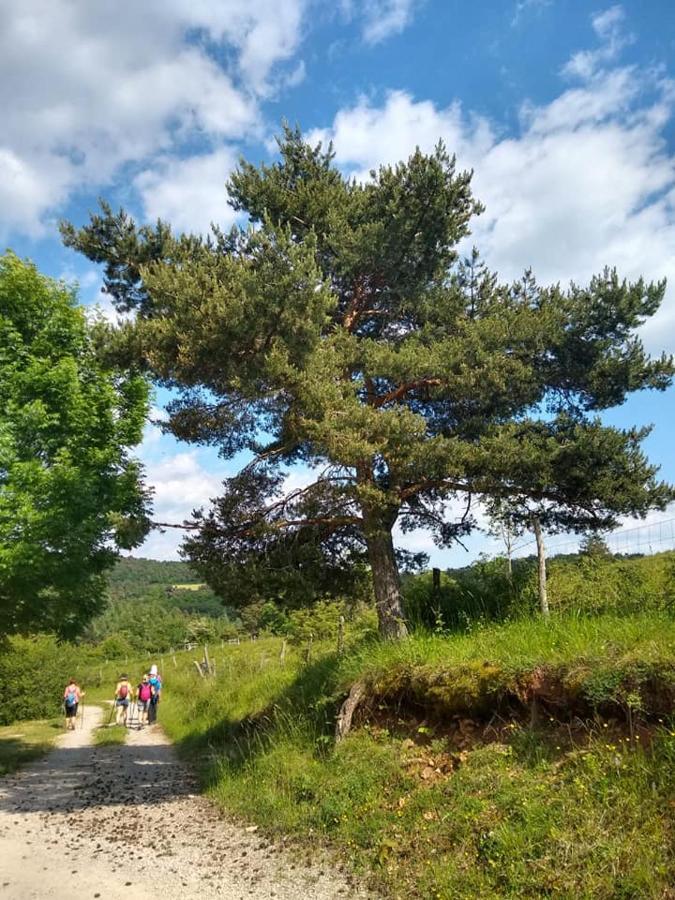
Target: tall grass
(551,810)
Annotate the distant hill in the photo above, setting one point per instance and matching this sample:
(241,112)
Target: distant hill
(134,579)
(131,572)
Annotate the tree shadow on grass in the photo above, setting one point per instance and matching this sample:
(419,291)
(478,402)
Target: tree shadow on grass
(16,752)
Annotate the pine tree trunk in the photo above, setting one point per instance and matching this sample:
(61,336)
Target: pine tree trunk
(386,583)
(541,555)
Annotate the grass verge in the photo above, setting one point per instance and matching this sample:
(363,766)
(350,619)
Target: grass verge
(23,742)
(449,787)
(105,736)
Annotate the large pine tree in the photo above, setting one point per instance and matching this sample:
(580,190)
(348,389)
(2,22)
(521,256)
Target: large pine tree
(340,329)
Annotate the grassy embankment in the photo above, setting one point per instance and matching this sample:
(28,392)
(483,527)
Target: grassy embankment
(521,760)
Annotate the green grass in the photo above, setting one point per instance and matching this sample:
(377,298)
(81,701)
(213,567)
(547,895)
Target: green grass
(561,809)
(25,741)
(106,735)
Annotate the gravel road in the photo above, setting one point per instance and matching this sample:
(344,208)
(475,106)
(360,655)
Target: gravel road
(126,822)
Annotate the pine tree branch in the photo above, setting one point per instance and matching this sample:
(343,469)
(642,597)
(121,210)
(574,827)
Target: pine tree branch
(404,389)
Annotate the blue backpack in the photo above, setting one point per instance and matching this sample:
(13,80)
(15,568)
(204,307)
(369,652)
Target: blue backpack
(71,698)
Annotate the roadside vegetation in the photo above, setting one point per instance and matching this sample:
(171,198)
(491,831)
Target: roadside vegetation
(113,735)
(22,742)
(518,760)
(492,754)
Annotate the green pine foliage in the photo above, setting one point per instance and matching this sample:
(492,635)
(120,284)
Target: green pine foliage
(343,330)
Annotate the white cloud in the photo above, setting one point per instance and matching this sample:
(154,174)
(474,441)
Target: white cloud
(367,136)
(380,19)
(189,193)
(181,484)
(588,181)
(608,26)
(87,88)
(384,18)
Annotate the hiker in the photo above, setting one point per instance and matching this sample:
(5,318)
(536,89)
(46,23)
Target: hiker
(144,695)
(156,686)
(71,698)
(123,696)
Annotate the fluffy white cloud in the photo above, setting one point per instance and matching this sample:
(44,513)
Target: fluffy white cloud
(588,181)
(86,88)
(608,26)
(383,18)
(181,483)
(367,136)
(189,193)
(380,19)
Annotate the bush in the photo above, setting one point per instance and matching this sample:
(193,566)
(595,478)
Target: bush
(599,584)
(320,621)
(33,673)
(587,584)
(483,591)
(116,645)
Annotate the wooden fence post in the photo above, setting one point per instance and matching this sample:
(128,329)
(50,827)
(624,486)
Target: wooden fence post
(341,636)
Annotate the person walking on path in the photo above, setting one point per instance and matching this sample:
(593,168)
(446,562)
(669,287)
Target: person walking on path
(123,695)
(71,698)
(144,695)
(156,687)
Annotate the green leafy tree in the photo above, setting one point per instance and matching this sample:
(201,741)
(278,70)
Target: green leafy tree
(69,491)
(343,331)
(595,546)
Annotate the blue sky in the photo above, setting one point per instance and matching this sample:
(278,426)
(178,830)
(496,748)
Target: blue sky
(565,111)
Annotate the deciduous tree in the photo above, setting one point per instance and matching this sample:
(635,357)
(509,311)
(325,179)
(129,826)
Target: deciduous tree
(70,493)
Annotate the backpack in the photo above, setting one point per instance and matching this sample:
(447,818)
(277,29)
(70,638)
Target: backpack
(123,691)
(144,692)
(71,698)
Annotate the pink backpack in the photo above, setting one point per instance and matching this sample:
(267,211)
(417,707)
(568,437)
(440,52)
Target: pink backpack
(144,692)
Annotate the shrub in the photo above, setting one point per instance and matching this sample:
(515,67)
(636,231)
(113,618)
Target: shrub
(321,620)
(481,591)
(33,673)
(587,584)
(116,645)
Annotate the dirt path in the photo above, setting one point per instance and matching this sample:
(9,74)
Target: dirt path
(126,822)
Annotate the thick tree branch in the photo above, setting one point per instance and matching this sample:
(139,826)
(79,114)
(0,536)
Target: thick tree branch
(403,389)
(186,526)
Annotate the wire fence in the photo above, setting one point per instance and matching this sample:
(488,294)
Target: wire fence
(652,537)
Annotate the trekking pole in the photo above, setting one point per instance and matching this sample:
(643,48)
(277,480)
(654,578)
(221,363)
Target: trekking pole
(82,718)
(112,710)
